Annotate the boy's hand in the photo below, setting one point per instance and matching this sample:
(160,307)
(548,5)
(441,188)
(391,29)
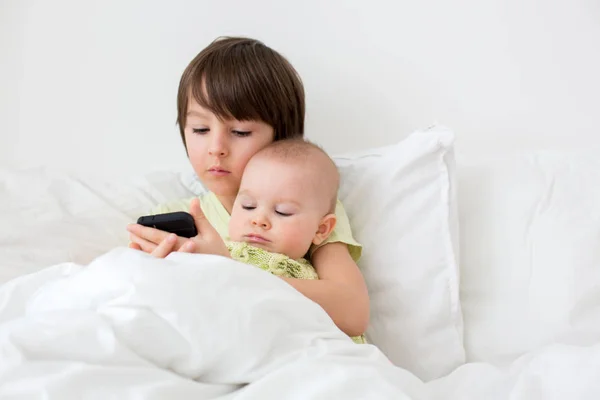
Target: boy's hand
(161,244)
(154,241)
(208,240)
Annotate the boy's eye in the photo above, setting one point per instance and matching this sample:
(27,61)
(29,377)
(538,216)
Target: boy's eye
(241,133)
(248,207)
(199,130)
(283,214)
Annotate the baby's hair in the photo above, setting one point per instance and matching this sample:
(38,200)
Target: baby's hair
(302,150)
(243,79)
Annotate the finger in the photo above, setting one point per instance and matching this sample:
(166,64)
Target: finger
(188,247)
(144,245)
(153,235)
(149,247)
(196,210)
(203,226)
(134,246)
(165,247)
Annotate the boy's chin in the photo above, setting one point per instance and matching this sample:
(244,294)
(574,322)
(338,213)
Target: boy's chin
(222,190)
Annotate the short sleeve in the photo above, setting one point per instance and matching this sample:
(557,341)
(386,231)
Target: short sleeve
(178,205)
(342,233)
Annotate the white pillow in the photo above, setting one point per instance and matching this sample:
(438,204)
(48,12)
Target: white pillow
(402,207)
(530,228)
(52,217)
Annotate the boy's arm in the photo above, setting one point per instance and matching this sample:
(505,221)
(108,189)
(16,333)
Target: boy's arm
(341,290)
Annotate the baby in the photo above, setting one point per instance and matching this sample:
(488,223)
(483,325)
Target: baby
(285,207)
(285,204)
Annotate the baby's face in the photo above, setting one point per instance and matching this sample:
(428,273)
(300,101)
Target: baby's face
(278,208)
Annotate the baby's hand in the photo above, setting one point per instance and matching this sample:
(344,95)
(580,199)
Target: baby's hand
(161,244)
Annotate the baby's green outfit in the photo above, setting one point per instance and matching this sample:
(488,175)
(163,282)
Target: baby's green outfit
(277,264)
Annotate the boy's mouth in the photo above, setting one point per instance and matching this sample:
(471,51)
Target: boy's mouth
(218,171)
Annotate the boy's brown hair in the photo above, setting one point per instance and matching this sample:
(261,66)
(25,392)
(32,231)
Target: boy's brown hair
(243,79)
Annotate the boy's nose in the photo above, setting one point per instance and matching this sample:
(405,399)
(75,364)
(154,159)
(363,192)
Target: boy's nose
(218,147)
(217,151)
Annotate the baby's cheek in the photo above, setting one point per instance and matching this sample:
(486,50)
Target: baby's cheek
(299,239)
(234,229)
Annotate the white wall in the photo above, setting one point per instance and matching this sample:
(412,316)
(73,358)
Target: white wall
(101,76)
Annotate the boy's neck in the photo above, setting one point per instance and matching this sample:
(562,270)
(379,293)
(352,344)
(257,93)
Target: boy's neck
(227,202)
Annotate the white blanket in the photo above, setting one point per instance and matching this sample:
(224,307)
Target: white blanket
(191,326)
(129,326)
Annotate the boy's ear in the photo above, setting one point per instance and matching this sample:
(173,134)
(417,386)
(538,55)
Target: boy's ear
(326,226)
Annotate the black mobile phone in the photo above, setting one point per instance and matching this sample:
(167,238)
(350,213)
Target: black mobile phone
(180,223)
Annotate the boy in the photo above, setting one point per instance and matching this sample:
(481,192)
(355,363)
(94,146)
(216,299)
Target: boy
(236,97)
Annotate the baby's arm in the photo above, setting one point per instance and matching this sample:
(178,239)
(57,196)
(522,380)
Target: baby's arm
(341,290)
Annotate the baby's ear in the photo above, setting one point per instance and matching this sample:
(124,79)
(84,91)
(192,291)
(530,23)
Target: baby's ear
(326,226)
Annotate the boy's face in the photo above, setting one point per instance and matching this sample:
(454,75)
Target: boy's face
(219,150)
(278,208)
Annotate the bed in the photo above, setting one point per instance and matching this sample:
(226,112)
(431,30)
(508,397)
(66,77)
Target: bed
(481,238)
(491,293)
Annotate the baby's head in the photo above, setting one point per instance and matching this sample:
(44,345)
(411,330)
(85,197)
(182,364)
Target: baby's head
(287,198)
